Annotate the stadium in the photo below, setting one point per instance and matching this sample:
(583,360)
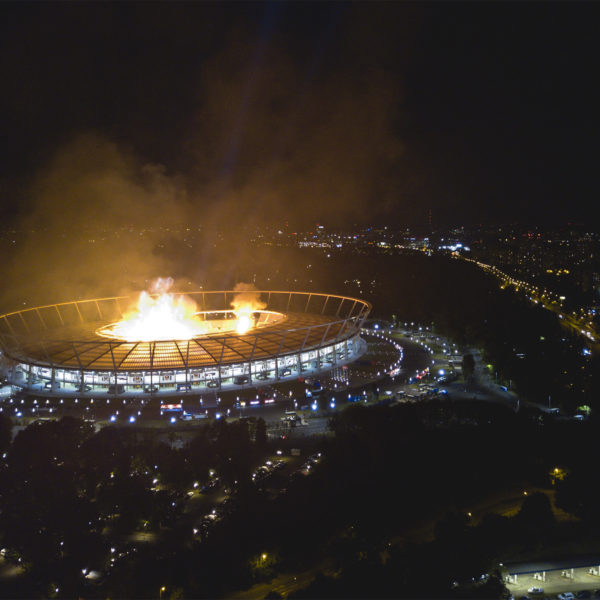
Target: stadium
(81,348)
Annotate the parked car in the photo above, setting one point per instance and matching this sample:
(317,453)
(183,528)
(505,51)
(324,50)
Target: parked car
(535,590)
(566,596)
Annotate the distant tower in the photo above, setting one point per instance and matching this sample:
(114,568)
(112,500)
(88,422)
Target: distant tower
(429,219)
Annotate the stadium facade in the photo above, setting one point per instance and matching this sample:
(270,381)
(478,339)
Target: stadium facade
(65,348)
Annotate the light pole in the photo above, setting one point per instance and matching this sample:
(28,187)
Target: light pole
(162,589)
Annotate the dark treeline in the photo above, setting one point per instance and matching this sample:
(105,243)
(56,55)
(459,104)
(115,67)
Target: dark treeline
(388,473)
(67,494)
(408,475)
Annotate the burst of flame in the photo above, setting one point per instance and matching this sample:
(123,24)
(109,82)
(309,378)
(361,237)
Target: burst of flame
(163,317)
(166,316)
(244,323)
(245,303)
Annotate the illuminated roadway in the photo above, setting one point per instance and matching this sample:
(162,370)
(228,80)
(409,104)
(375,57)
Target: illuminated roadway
(544,298)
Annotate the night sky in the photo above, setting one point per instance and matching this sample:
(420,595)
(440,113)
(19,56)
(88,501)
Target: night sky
(340,113)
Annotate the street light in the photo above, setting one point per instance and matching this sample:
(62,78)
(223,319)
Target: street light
(162,589)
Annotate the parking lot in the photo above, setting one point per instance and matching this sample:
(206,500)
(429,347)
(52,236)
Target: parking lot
(558,582)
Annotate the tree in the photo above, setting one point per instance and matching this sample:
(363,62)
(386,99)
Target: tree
(260,436)
(452,528)
(43,510)
(572,494)
(536,516)
(468,366)
(5,432)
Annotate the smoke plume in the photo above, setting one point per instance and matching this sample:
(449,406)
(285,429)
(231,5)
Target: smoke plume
(94,217)
(247,298)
